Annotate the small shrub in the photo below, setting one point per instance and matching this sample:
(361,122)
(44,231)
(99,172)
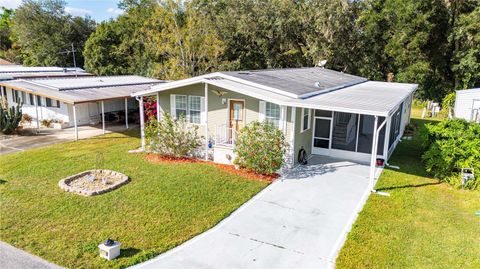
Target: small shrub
(450,146)
(47,123)
(260,147)
(26,119)
(10,117)
(170,137)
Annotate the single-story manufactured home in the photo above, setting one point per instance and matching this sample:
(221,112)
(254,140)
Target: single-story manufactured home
(467,105)
(321,111)
(77,100)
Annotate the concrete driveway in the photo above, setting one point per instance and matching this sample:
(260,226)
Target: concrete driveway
(298,222)
(48,136)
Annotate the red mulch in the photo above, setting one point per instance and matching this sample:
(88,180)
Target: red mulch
(155,158)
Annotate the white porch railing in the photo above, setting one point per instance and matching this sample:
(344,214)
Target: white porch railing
(225,136)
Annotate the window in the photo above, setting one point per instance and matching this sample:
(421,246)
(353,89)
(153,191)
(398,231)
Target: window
(305,119)
(39,100)
(195,106)
(32,102)
(4,90)
(180,106)
(272,114)
(24,97)
(48,101)
(191,107)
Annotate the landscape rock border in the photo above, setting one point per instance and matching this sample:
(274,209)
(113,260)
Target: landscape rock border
(64,183)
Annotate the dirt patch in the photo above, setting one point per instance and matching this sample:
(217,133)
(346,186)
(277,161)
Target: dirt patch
(154,158)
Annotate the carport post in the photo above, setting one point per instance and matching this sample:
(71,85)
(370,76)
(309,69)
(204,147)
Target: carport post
(142,122)
(75,121)
(206,121)
(158,106)
(36,111)
(126,113)
(374,154)
(103,118)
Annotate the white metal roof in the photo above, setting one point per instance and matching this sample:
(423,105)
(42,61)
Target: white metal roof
(75,90)
(370,97)
(92,82)
(32,69)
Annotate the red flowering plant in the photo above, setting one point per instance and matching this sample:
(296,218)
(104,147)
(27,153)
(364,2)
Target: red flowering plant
(150,108)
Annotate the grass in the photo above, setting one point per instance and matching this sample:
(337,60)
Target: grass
(163,205)
(423,224)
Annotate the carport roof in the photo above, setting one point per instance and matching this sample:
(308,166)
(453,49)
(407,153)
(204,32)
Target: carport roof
(84,89)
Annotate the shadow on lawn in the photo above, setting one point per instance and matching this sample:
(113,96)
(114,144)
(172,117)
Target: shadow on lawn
(408,186)
(128,252)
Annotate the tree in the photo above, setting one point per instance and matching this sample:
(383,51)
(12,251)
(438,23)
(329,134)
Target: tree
(44,30)
(466,55)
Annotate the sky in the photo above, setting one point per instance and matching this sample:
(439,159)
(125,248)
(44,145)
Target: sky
(99,10)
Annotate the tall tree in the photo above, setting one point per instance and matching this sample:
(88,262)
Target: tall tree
(465,40)
(44,30)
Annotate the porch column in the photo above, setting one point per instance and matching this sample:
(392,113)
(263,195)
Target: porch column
(1,91)
(206,121)
(103,117)
(36,111)
(142,122)
(292,134)
(373,154)
(158,106)
(387,137)
(75,121)
(126,113)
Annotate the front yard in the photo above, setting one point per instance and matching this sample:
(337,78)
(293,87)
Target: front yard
(423,224)
(163,205)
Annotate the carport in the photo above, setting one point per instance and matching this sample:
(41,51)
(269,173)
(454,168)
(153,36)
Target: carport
(74,92)
(300,221)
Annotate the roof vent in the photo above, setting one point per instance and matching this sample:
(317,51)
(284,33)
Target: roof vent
(318,84)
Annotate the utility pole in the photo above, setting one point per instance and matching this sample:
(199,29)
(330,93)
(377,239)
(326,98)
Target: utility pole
(73,52)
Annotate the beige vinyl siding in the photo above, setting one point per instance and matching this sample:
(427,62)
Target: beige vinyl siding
(302,138)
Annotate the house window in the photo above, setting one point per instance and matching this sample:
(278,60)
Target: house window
(24,97)
(48,101)
(272,114)
(195,108)
(305,119)
(32,102)
(39,100)
(180,106)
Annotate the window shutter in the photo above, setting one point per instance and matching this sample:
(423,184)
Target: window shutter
(261,111)
(203,114)
(172,106)
(283,118)
(309,118)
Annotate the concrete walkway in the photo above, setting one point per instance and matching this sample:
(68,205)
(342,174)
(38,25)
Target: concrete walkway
(13,258)
(298,222)
(48,136)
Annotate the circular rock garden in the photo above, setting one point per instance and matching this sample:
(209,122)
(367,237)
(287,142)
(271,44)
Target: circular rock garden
(93,182)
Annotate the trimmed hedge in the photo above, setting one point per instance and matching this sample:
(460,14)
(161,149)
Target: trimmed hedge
(450,146)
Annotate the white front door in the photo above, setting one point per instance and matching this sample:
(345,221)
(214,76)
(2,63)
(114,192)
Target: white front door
(322,132)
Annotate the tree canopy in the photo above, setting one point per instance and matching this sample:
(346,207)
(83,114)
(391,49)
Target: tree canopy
(45,32)
(435,43)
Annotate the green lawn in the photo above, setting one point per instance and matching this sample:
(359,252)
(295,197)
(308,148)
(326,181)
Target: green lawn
(163,205)
(423,224)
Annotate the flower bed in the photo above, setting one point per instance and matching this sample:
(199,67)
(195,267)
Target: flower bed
(93,182)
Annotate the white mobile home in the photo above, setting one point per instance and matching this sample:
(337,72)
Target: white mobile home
(467,105)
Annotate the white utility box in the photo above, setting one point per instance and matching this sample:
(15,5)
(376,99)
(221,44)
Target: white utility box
(110,252)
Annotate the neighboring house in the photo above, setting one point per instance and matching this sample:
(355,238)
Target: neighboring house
(467,105)
(77,101)
(11,72)
(322,111)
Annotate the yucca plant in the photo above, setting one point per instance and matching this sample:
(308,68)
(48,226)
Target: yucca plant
(10,117)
